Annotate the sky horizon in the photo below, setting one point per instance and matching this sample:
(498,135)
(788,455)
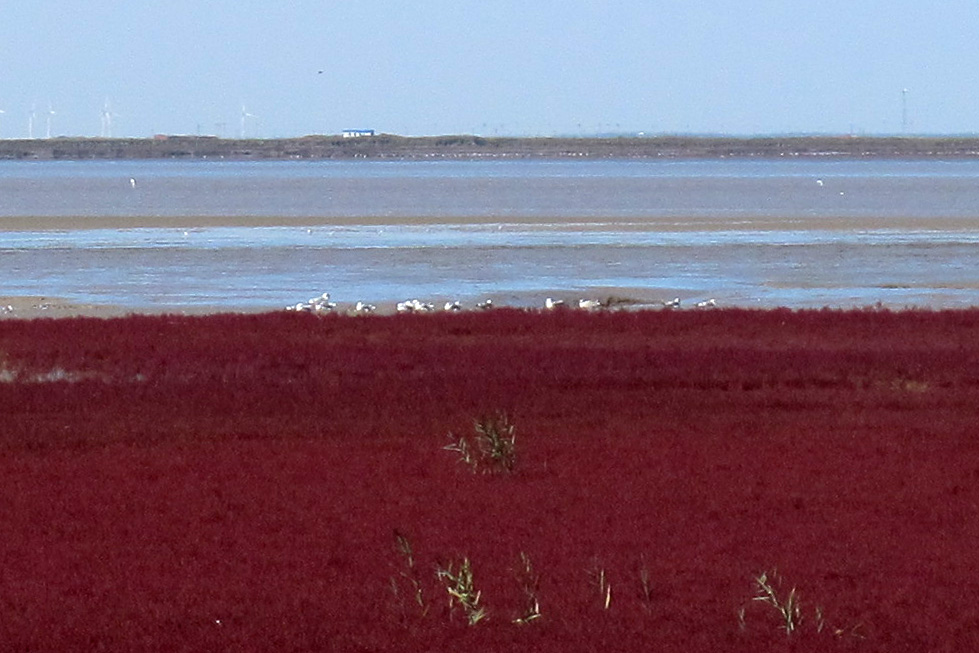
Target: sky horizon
(493,68)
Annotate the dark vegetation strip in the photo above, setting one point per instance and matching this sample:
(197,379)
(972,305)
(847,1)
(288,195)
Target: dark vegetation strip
(467,146)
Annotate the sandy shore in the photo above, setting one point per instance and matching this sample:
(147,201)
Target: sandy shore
(23,307)
(17,307)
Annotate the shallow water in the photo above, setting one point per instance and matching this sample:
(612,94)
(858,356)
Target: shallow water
(757,233)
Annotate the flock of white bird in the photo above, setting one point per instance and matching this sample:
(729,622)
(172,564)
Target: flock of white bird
(322,304)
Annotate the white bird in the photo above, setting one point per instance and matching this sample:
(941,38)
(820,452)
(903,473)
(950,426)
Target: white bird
(551,304)
(819,182)
(132,182)
(361,307)
(707,303)
(415,306)
(453,306)
(484,305)
(589,304)
(673,303)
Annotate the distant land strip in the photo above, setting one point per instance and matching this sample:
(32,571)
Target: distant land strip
(386,146)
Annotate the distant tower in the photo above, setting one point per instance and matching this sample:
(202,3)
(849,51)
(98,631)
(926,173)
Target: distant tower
(31,117)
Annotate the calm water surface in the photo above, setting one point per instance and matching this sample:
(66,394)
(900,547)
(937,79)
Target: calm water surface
(837,233)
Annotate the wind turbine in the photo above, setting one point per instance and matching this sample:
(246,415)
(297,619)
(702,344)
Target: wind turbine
(107,115)
(244,115)
(49,114)
(31,117)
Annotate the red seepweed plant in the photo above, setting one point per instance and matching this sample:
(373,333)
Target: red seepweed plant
(230,482)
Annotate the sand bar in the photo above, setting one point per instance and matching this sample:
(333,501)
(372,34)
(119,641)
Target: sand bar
(617,223)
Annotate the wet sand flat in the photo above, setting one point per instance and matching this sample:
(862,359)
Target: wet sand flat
(677,223)
(819,261)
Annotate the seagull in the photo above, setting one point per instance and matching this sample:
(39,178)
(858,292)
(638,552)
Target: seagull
(361,307)
(485,305)
(707,303)
(819,182)
(414,305)
(589,304)
(673,303)
(132,182)
(551,304)
(453,306)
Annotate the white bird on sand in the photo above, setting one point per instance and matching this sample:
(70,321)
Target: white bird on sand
(132,182)
(589,304)
(453,306)
(673,303)
(362,307)
(321,303)
(707,303)
(415,306)
(819,182)
(485,305)
(551,304)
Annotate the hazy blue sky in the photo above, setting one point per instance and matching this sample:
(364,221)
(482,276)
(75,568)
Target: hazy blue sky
(526,67)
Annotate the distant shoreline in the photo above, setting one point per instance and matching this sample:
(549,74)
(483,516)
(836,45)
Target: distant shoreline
(467,147)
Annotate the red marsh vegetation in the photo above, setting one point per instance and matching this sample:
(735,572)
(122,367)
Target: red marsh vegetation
(724,480)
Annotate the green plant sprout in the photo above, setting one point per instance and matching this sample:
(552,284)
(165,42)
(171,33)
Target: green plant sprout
(409,574)
(600,581)
(529,581)
(492,448)
(462,590)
